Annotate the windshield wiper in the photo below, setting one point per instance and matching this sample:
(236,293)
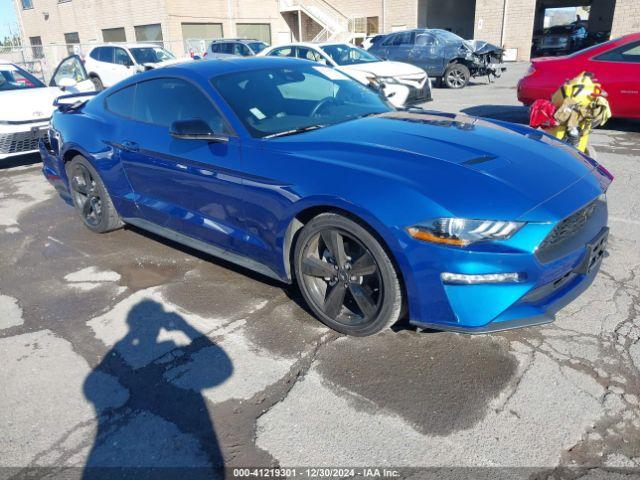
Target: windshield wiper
(295,131)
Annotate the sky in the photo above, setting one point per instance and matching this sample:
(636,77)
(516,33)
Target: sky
(7,17)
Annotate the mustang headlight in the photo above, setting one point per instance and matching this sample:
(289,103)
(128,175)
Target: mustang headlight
(461,232)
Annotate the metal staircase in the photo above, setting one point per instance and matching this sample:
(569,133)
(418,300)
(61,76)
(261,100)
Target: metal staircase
(335,26)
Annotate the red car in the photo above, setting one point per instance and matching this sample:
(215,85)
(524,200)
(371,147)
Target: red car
(616,65)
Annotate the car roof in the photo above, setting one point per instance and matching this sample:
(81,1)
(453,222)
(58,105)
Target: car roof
(241,40)
(313,44)
(125,45)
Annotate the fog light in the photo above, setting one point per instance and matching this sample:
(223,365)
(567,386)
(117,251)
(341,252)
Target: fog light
(462,279)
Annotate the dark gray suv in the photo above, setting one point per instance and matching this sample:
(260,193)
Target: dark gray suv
(235,47)
(444,55)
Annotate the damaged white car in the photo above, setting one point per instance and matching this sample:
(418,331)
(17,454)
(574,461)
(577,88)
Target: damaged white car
(402,83)
(26,103)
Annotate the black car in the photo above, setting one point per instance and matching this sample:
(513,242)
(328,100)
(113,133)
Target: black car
(444,55)
(562,39)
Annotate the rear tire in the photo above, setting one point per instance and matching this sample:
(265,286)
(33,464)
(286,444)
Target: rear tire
(346,277)
(456,76)
(90,197)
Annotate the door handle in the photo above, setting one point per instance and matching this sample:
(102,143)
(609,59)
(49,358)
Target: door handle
(131,146)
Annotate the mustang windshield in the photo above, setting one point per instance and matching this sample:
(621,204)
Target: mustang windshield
(151,55)
(294,99)
(344,54)
(15,78)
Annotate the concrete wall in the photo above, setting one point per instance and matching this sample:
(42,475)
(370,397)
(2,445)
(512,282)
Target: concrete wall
(400,13)
(520,16)
(88,18)
(626,18)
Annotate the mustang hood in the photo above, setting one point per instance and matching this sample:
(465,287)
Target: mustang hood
(492,163)
(28,104)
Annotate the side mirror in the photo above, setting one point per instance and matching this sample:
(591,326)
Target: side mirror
(195,129)
(66,82)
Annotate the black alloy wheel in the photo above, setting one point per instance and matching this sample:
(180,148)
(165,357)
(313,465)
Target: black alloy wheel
(90,197)
(85,195)
(346,277)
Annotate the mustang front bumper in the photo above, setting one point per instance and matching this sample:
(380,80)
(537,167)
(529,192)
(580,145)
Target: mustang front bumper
(550,277)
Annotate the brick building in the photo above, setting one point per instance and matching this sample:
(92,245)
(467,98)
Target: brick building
(510,23)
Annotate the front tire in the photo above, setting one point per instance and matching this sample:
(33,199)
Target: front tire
(90,197)
(346,277)
(456,76)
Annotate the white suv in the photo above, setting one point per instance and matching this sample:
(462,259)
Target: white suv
(108,64)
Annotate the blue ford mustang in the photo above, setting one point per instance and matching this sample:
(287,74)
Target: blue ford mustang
(294,170)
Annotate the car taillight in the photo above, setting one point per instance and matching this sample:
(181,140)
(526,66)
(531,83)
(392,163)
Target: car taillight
(531,70)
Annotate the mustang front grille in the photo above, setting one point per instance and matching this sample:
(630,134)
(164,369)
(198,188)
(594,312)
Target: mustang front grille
(20,141)
(568,227)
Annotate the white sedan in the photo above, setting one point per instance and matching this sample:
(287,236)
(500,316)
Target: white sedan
(26,103)
(402,83)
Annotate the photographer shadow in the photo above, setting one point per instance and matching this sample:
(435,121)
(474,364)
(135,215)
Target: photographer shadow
(149,428)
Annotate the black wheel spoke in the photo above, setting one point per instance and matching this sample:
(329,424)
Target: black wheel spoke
(334,300)
(87,208)
(363,297)
(365,265)
(335,244)
(317,268)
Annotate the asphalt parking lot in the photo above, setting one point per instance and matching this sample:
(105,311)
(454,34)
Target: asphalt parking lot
(125,350)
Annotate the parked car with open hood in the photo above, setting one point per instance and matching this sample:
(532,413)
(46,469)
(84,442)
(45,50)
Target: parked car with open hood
(110,63)
(442,54)
(402,83)
(296,171)
(26,103)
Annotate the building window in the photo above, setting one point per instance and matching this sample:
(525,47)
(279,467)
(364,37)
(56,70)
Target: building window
(149,33)
(71,39)
(114,35)
(27,4)
(36,47)
(373,25)
(207,31)
(258,31)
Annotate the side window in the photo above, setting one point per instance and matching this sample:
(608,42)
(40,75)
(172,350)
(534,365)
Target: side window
(166,100)
(227,48)
(627,53)
(405,38)
(309,54)
(121,57)
(283,52)
(425,40)
(95,53)
(390,40)
(70,68)
(215,47)
(121,102)
(106,55)
(241,49)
